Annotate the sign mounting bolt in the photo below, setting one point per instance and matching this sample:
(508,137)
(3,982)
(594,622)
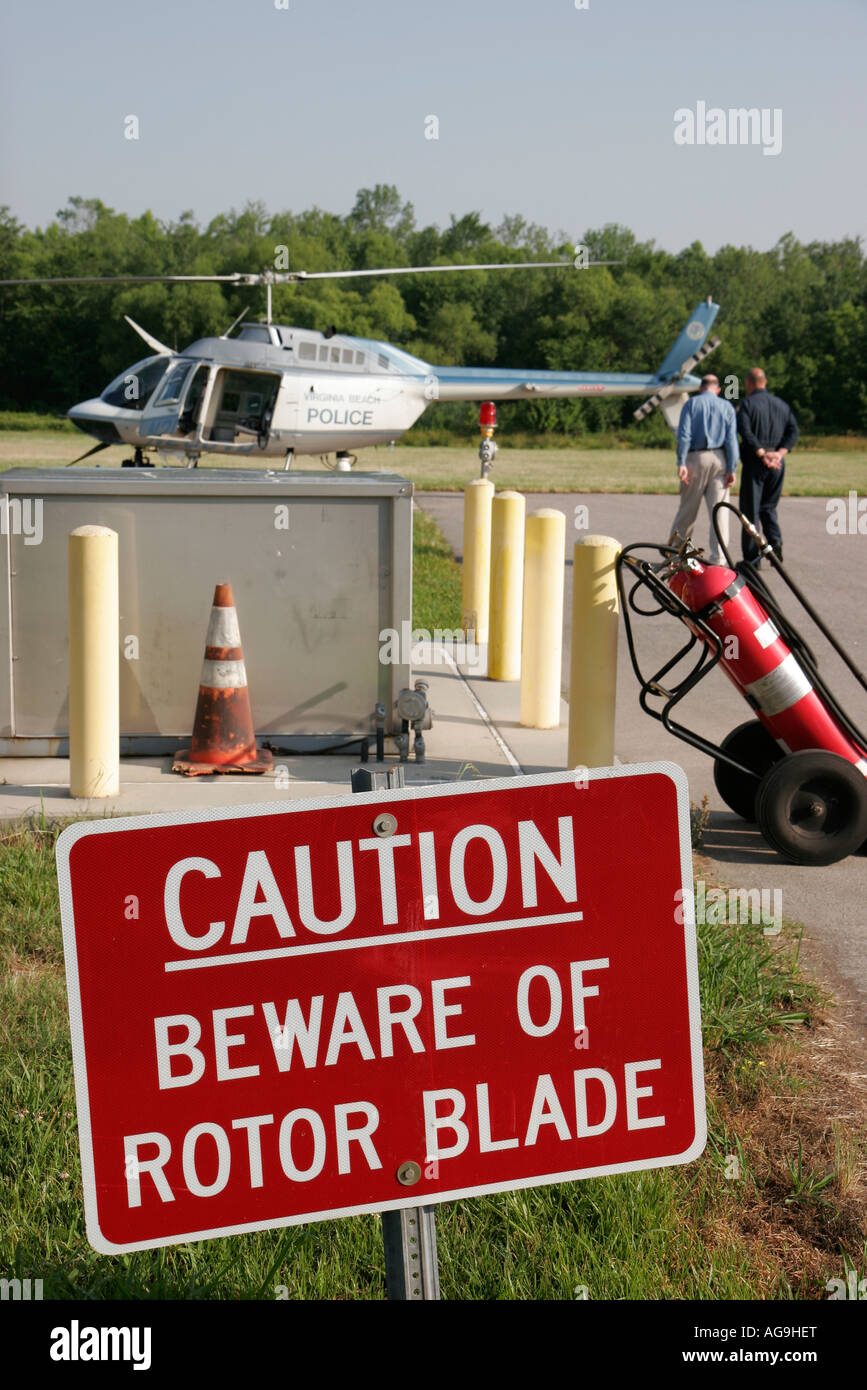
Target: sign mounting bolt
(408,1173)
(385,824)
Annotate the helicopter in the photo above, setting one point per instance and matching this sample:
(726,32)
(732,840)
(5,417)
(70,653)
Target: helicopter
(275,391)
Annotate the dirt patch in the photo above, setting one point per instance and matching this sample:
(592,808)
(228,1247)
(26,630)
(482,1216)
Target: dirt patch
(795,1119)
(798,1120)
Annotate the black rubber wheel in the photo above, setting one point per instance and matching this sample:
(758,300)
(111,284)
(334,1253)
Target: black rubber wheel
(812,807)
(753,746)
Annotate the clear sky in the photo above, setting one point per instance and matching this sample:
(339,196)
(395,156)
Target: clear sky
(564,115)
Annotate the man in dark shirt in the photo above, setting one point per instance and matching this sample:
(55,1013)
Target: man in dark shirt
(768,432)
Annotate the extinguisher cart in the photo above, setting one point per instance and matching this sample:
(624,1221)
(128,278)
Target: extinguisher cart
(799,766)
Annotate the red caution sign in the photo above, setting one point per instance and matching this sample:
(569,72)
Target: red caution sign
(333,1006)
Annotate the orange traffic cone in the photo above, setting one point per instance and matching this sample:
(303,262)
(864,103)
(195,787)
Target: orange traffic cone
(223,735)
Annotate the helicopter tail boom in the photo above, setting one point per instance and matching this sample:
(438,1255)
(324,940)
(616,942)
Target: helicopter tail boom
(481,383)
(491,384)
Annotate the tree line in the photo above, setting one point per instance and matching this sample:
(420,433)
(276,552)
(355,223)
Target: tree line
(800,311)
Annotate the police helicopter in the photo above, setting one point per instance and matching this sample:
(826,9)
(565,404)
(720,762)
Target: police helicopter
(278,392)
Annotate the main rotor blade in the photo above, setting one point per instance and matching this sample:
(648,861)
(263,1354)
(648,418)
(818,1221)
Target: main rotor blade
(235,278)
(291,275)
(265,277)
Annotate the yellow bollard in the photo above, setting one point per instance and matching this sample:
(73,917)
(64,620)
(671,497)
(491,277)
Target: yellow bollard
(593,666)
(478,496)
(94,705)
(507,585)
(542,640)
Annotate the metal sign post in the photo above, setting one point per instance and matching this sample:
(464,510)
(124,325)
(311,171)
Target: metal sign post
(409,1237)
(410,1241)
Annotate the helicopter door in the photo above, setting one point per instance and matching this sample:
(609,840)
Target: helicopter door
(161,415)
(178,408)
(191,409)
(240,410)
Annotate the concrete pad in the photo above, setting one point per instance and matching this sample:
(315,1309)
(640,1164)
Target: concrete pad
(536,750)
(459,746)
(146,784)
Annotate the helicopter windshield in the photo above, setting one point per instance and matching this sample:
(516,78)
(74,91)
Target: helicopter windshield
(133,388)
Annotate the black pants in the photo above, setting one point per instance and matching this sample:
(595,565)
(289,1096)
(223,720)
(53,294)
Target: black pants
(760,492)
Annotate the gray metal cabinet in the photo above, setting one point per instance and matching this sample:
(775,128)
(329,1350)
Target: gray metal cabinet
(320,566)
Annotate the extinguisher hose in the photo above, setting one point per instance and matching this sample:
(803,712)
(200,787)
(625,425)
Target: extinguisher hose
(786,627)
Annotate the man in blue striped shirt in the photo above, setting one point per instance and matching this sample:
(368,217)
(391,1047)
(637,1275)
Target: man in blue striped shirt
(707,456)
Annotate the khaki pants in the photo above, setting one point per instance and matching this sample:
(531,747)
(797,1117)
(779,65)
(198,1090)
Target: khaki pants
(707,469)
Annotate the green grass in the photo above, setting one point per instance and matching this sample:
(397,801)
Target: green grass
(811,472)
(668,1233)
(436,577)
(649,434)
(29,421)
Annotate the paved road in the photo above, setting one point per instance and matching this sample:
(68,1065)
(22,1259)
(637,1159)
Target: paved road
(832,571)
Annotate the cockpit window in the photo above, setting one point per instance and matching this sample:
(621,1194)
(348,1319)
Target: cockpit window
(133,388)
(173,385)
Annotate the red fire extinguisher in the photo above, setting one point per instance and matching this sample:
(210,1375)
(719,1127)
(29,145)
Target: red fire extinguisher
(799,767)
(760,664)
